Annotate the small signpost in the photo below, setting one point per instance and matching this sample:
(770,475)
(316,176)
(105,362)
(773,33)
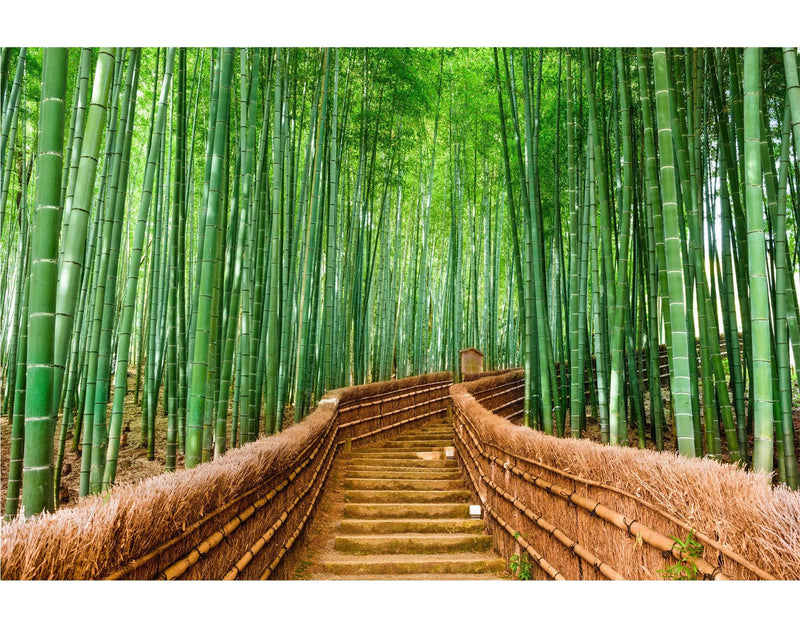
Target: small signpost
(471,361)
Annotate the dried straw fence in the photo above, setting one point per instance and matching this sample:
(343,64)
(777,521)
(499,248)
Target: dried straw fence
(585,511)
(238,517)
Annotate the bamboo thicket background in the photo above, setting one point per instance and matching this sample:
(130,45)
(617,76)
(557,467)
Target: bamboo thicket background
(226,233)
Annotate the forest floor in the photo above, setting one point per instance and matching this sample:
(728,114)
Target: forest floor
(592,430)
(133,465)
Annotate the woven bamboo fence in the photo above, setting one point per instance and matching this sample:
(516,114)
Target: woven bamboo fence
(241,516)
(583,511)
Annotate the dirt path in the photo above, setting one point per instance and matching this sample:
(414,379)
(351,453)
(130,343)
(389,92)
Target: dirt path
(398,510)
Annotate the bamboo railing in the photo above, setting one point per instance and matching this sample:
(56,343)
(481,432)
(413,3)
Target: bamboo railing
(582,511)
(577,509)
(241,516)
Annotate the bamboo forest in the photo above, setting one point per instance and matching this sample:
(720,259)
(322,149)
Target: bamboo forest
(203,250)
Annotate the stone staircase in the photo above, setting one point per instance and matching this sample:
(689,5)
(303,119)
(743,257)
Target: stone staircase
(406,515)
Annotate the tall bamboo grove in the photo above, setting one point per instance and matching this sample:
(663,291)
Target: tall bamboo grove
(197,243)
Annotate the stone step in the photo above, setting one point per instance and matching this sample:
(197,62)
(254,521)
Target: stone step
(418,564)
(410,525)
(424,576)
(426,455)
(382,510)
(368,463)
(414,472)
(409,484)
(406,496)
(437,428)
(412,543)
(420,434)
(416,444)
(439,433)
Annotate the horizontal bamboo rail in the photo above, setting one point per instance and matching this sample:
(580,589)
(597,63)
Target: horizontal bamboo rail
(478,456)
(555,532)
(704,538)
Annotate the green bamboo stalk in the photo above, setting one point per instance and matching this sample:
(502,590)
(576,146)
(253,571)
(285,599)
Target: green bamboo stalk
(273,328)
(330,255)
(9,111)
(40,416)
(761,389)
(793,93)
(197,399)
(306,310)
(74,242)
(679,370)
(783,293)
(618,431)
(74,155)
(577,383)
(655,204)
(14,475)
(178,210)
(131,284)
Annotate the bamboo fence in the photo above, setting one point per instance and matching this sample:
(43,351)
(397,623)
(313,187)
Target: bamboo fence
(240,516)
(584,511)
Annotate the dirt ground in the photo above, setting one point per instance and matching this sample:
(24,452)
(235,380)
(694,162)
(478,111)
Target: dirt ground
(132,466)
(670,438)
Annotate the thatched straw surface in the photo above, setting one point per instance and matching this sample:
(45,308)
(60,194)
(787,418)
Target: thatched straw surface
(252,503)
(468,377)
(105,532)
(754,523)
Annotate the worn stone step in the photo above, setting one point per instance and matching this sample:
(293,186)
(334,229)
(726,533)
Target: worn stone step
(415,510)
(419,564)
(420,484)
(380,453)
(416,576)
(436,473)
(404,496)
(410,525)
(412,543)
(426,430)
(369,462)
(417,444)
(425,434)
